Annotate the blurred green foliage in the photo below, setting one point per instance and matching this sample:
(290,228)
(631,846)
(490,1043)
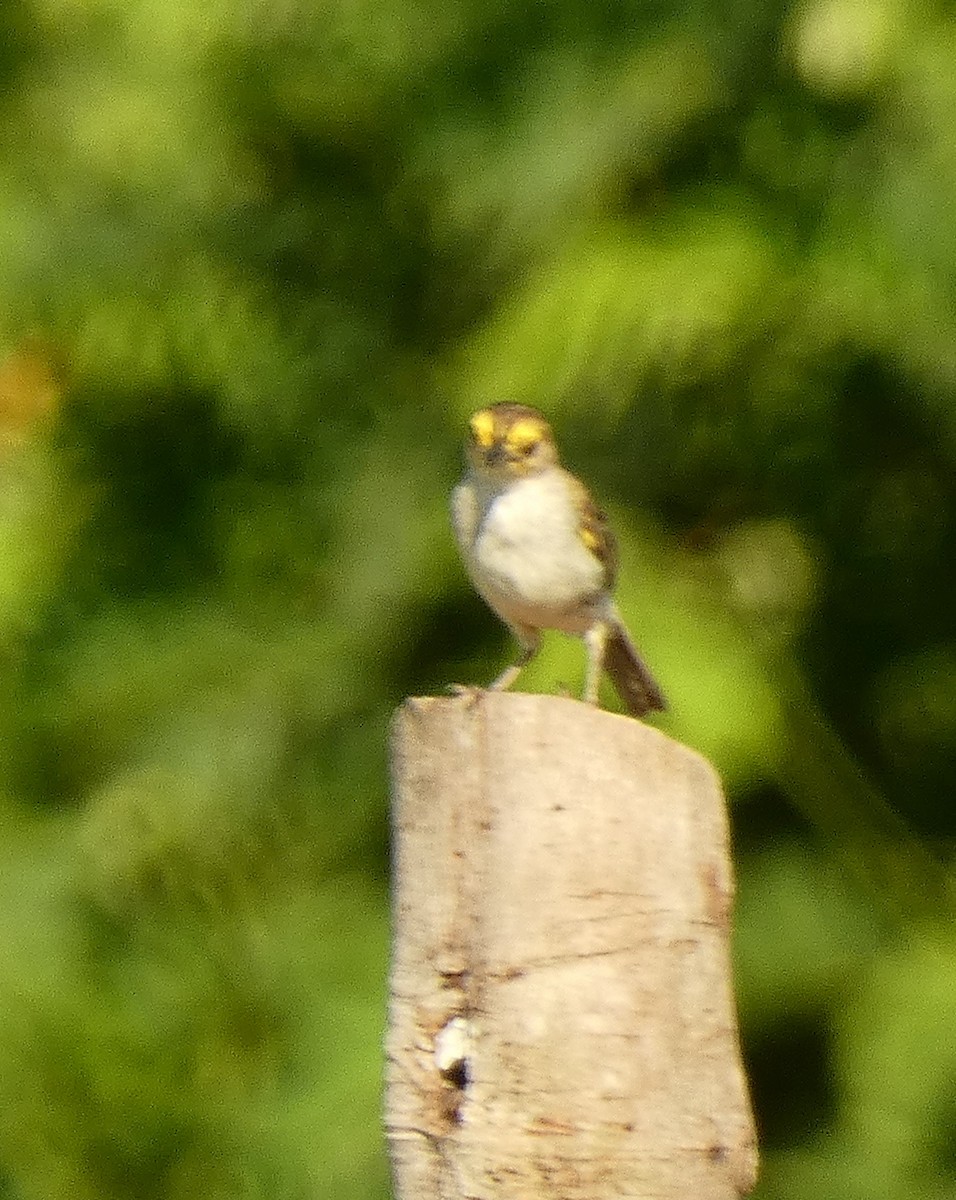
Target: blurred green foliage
(257,262)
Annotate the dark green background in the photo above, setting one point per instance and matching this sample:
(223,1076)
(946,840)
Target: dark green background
(258,262)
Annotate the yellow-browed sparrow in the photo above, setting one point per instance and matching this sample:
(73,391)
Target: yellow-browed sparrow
(540,552)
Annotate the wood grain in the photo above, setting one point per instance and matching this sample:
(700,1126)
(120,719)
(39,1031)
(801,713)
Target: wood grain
(561,1016)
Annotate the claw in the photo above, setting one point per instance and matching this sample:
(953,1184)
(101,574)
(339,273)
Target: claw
(466,691)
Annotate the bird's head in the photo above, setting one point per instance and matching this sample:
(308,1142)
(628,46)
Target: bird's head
(508,441)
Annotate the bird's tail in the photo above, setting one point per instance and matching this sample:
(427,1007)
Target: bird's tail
(636,686)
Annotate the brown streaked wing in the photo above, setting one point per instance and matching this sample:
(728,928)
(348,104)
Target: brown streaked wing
(594,529)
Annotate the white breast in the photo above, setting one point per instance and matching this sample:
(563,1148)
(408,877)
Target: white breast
(525,556)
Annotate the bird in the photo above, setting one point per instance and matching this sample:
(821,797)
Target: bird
(541,553)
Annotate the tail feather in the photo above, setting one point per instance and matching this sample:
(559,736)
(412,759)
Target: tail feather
(636,686)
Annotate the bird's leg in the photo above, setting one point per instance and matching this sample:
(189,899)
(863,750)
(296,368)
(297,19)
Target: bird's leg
(530,640)
(595,640)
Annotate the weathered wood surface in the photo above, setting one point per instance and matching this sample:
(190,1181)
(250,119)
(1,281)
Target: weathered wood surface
(561,1019)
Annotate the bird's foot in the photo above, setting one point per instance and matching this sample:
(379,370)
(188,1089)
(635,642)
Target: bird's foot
(466,691)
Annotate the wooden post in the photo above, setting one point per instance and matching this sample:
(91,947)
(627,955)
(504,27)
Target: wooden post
(562,1019)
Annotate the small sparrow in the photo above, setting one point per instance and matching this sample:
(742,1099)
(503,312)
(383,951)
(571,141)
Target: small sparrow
(539,551)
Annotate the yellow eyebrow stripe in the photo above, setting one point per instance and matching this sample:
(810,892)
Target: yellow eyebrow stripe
(524,433)
(483,428)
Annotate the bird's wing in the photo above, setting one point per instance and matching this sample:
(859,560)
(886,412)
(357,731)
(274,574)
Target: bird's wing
(594,530)
(464,514)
